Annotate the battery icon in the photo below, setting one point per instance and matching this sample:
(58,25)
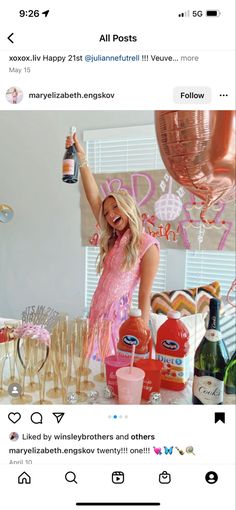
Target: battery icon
(213,13)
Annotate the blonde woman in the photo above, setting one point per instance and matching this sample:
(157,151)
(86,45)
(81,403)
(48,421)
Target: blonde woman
(128,255)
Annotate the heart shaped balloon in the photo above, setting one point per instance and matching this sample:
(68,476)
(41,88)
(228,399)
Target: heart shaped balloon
(198,150)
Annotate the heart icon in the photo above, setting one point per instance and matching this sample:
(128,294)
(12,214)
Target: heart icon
(14,417)
(157,451)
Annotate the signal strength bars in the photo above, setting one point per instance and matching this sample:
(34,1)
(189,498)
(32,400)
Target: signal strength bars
(184,14)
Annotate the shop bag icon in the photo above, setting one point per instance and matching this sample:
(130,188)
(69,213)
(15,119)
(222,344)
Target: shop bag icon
(164,477)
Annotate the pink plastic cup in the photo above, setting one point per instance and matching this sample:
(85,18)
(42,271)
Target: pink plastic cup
(112,364)
(130,385)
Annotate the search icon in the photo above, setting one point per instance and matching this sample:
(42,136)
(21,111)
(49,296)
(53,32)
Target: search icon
(70,476)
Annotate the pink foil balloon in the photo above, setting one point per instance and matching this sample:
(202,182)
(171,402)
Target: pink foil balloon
(198,150)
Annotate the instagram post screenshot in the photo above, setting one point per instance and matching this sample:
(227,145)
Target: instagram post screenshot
(117,255)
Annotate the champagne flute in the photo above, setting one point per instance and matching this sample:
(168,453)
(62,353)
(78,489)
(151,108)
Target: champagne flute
(42,377)
(63,366)
(3,357)
(55,391)
(60,370)
(11,348)
(32,354)
(32,386)
(70,379)
(85,370)
(23,359)
(103,340)
(79,358)
(49,373)
(88,345)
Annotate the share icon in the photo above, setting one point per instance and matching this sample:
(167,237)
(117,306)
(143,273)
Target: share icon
(58,416)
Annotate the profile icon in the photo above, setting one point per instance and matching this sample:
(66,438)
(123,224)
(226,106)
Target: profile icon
(14,95)
(13,436)
(14,389)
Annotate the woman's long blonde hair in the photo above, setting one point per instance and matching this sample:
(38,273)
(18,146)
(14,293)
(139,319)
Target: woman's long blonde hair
(128,206)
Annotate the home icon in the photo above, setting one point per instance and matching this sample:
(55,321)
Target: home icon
(24,478)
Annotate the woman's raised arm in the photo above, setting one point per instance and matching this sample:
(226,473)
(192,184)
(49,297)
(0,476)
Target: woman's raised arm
(90,186)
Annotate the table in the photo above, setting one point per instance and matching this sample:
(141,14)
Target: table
(167,397)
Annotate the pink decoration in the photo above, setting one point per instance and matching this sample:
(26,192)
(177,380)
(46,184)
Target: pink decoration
(94,240)
(116,184)
(229,298)
(33,331)
(135,187)
(169,206)
(165,231)
(226,226)
(148,219)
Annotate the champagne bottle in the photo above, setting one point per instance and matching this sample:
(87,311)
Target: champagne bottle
(230,382)
(70,162)
(210,360)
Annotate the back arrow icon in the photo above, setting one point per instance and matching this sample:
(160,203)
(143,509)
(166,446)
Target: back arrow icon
(9,38)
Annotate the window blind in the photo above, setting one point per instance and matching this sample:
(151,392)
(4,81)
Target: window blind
(122,150)
(123,155)
(204,267)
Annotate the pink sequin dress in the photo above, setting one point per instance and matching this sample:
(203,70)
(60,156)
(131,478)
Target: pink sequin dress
(113,295)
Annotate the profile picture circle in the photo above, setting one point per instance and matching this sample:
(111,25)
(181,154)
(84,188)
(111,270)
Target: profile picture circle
(14,95)
(13,436)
